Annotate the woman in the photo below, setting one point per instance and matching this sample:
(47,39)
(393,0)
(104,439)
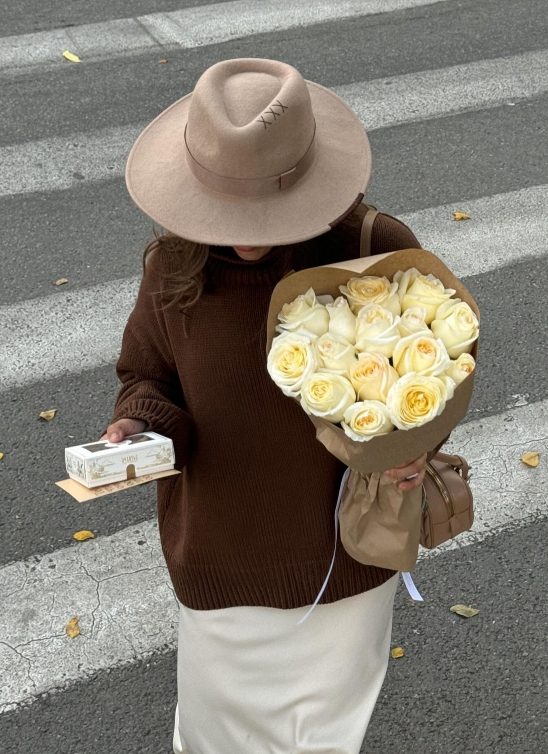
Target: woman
(254,174)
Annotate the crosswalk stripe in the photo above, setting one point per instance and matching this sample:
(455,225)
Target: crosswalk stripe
(503,229)
(63,162)
(119,588)
(187,28)
(97,314)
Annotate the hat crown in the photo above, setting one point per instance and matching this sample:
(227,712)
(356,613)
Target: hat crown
(250,118)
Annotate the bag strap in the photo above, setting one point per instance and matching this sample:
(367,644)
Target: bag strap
(367,229)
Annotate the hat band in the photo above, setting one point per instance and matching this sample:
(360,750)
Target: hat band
(252,187)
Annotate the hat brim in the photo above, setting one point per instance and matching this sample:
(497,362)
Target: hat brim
(162,185)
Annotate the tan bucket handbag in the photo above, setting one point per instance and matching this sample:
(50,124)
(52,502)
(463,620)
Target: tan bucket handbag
(447,504)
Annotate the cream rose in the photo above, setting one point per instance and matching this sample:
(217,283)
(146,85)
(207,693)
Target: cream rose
(366,419)
(335,353)
(425,291)
(292,358)
(341,320)
(416,399)
(404,278)
(457,326)
(420,353)
(412,321)
(372,290)
(372,376)
(459,369)
(304,314)
(376,330)
(327,395)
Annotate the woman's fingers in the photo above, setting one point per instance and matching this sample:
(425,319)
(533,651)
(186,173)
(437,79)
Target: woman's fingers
(409,475)
(122,428)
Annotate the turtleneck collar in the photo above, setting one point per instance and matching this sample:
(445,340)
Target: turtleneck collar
(225,266)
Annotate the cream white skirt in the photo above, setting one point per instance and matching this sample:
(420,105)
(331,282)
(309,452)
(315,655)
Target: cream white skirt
(252,681)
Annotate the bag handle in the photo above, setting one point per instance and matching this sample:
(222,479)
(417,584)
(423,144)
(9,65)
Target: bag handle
(367,229)
(457,462)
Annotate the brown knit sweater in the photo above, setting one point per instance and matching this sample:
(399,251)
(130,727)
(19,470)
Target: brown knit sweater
(250,519)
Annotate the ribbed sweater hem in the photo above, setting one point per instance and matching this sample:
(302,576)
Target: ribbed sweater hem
(281,586)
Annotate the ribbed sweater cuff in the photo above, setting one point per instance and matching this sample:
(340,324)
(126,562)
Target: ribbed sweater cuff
(163,418)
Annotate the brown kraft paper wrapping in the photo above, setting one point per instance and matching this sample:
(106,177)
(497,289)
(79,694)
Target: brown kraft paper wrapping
(380,524)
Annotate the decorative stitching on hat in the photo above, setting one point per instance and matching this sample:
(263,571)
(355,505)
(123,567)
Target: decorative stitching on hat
(272,112)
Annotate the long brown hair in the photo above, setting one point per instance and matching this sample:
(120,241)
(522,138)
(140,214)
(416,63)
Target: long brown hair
(185,281)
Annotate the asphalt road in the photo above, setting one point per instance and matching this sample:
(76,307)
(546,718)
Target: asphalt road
(464,686)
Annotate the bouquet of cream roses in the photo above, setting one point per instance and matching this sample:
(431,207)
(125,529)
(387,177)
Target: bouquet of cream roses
(380,352)
(385,354)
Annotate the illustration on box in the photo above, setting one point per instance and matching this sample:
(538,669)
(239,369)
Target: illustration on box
(98,463)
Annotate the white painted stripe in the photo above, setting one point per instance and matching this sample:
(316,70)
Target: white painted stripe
(84,331)
(61,163)
(85,326)
(120,589)
(503,229)
(431,94)
(191,27)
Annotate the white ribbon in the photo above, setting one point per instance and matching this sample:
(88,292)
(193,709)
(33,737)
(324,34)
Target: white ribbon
(410,586)
(406,576)
(337,507)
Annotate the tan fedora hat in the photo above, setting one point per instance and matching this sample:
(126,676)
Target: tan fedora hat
(254,156)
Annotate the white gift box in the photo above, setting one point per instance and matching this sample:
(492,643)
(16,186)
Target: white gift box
(102,462)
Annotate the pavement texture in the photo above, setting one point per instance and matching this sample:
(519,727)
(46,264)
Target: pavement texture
(459,689)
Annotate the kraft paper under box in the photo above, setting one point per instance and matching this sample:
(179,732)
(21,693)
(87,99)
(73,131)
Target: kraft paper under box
(100,463)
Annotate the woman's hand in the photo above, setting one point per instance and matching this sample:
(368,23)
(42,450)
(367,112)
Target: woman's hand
(123,428)
(415,469)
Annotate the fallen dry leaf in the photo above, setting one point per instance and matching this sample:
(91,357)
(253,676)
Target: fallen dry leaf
(81,536)
(71,56)
(61,281)
(461,216)
(464,610)
(48,415)
(397,652)
(163,62)
(1,456)
(72,629)
(531,458)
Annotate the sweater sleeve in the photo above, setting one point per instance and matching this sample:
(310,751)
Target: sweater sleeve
(150,385)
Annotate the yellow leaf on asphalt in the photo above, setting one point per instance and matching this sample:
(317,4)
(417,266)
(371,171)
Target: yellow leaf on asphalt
(464,610)
(48,415)
(71,56)
(1,456)
(61,281)
(461,216)
(81,536)
(72,629)
(397,652)
(531,458)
